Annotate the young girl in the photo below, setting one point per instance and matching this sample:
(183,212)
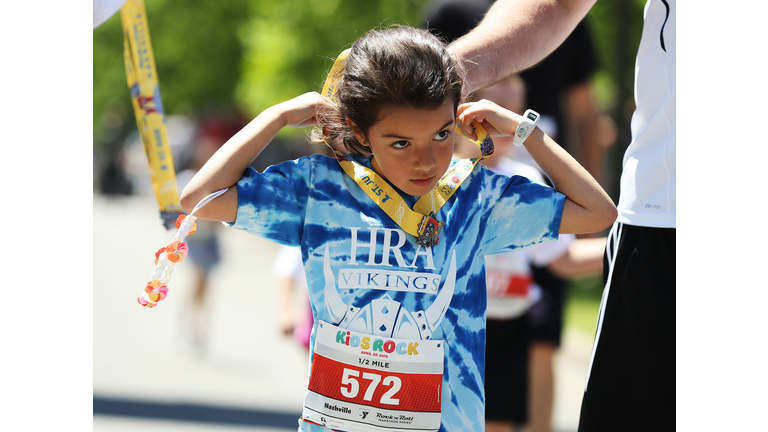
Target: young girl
(393,234)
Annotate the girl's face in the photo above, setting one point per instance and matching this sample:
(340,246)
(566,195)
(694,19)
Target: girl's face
(412,148)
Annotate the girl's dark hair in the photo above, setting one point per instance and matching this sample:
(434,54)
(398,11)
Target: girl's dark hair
(400,66)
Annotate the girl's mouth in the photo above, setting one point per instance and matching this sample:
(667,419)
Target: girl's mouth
(423,182)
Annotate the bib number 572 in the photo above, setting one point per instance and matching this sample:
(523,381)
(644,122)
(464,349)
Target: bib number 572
(350,387)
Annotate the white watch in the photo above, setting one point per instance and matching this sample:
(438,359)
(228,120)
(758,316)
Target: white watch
(524,129)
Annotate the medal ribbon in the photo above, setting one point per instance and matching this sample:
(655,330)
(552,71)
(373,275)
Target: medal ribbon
(148,108)
(384,195)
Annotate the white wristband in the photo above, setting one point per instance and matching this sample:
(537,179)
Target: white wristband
(525,128)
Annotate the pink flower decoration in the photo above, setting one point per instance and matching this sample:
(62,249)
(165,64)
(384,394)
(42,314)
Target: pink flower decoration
(181,218)
(156,291)
(176,251)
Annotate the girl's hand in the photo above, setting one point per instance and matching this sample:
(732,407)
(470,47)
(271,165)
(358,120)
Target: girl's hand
(587,207)
(496,120)
(301,111)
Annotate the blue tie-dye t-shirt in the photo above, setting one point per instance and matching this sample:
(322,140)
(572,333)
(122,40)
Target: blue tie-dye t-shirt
(357,258)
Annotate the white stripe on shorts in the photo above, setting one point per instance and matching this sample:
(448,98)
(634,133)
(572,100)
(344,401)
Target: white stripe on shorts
(611,250)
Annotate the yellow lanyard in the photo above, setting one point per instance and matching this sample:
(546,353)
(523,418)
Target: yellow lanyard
(419,222)
(148,108)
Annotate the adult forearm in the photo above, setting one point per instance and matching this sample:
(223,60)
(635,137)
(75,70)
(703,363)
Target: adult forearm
(515,35)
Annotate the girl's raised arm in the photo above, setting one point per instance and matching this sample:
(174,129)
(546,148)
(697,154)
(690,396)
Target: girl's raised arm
(225,168)
(587,207)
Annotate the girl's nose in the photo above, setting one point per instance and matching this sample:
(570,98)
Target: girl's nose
(425,158)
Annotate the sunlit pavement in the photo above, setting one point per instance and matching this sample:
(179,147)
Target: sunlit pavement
(147,375)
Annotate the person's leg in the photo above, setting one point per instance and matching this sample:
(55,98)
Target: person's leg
(506,369)
(498,426)
(546,326)
(204,256)
(200,313)
(630,384)
(541,393)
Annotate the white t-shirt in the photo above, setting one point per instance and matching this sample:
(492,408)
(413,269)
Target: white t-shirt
(648,182)
(509,281)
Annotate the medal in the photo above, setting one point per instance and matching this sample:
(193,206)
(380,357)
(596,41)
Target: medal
(429,231)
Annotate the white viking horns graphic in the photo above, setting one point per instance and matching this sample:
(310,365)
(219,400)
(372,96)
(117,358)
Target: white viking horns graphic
(333,302)
(434,314)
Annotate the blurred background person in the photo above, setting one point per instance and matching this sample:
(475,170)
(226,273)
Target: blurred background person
(109,163)
(516,372)
(294,310)
(204,245)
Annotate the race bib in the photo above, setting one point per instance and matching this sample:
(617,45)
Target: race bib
(362,382)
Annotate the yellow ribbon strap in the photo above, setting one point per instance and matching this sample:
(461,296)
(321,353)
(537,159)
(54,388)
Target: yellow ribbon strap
(419,222)
(380,191)
(148,108)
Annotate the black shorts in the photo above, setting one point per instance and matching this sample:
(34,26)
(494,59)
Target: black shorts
(545,317)
(506,370)
(630,382)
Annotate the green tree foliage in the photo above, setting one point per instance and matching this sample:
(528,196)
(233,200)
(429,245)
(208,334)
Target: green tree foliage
(312,33)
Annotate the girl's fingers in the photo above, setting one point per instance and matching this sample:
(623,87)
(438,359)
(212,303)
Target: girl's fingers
(471,114)
(302,110)
(467,133)
(496,120)
(491,129)
(466,116)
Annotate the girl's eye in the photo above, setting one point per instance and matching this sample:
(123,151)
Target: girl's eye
(442,135)
(400,144)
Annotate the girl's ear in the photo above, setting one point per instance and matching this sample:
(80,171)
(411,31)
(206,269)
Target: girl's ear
(358,134)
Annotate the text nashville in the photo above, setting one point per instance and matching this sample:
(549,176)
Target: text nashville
(344,410)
